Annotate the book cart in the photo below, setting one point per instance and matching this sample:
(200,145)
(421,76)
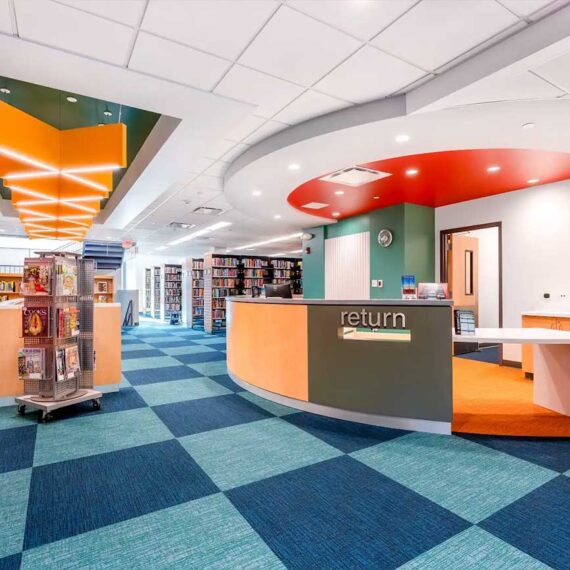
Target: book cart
(57,361)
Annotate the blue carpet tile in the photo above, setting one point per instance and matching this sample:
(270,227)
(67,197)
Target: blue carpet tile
(195,416)
(346,436)
(182,468)
(300,515)
(17,448)
(151,375)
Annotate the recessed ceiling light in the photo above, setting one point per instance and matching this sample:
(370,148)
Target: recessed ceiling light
(109,237)
(402,138)
(339,192)
(411,171)
(161,248)
(493,168)
(72,99)
(528,126)
(336,214)
(5,90)
(272,240)
(256,193)
(294,166)
(376,197)
(277,216)
(533,180)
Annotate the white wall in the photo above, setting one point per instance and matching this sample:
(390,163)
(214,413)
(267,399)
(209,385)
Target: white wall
(536,246)
(488,280)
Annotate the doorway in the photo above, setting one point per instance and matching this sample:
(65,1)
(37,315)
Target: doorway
(471,264)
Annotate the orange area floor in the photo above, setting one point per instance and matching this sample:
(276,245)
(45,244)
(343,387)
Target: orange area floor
(497,400)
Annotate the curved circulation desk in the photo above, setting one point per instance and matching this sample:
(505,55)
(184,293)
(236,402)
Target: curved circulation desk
(384,363)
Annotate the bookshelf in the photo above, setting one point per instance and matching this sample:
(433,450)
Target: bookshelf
(10,281)
(147,291)
(225,276)
(197,289)
(156,293)
(103,288)
(172,290)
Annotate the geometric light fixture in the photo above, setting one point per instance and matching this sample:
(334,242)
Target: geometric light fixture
(58,178)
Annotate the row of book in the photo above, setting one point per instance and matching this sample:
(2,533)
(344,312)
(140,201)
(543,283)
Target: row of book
(219,303)
(225,261)
(254,273)
(282,264)
(8,286)
(223,282)
(197,274)
(198,264)
(197,293)
(172,285)
(32,363)
(173,270)
(224,272)
(198,283)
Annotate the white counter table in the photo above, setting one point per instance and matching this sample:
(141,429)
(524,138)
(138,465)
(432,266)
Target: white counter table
(551,361)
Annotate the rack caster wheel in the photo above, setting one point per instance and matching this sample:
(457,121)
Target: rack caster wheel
(97,404)
(21,409)
(44,418)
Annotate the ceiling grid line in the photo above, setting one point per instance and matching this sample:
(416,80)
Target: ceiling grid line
(13,18)
(136,35)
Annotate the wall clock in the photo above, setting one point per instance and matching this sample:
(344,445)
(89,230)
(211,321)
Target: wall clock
(385,237)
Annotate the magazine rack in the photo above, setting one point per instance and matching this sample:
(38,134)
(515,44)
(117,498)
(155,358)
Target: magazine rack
(63,366)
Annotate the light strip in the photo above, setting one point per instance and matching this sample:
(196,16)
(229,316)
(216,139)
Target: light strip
(32,213)
(201,232)
(26,159)
(82,199)
(42,227)
(36,203)
(274,240)
(32,193)
(85,169)
(27,175)
(76,217)
(41,219)
(79,206)
(86,182)
(83,225)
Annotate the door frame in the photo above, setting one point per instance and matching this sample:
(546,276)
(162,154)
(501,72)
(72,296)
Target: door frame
(443,235)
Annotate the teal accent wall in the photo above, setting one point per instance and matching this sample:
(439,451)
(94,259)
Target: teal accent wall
(412,250)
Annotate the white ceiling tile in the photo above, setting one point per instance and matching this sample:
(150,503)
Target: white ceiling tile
(234,152)
(218,169)
(505,87)
(207,181)
(219,202)
(179,63)
(245,128)
(72,30)
(266,130)
(129,13)
(361,18)
(557,71)
(369,74)
(525,7)
(298,48)
(270,93)
(5,19)
(220,148)
(309,104)
(434,32)
(223,27)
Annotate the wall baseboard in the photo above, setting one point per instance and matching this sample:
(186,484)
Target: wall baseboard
(511,363)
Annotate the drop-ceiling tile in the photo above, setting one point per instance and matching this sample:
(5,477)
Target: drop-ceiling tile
(129,13)
(219,148)
(218,169)
(269,93)
(557,71)
(223,27)
(525,7)
(297,47)
(179,63)
(310,104)
(5,18)
(266,130)
(207,181)
(369,74)
(72,30)
(245,128)
(363,18)
(234,152)
(433,33)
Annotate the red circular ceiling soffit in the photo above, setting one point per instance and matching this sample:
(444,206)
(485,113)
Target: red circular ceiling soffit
(442,178)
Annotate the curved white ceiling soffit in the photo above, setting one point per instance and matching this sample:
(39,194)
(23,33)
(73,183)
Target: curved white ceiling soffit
(442,114)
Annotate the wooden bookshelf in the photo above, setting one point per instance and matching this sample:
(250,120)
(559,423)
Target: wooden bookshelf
(104,289)
(148,292)
(171,290)
(197,292)
(156,287)
(10,281)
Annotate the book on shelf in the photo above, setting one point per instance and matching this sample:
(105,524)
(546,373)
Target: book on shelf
(67,322)
(71,361)
(35,321)
(31,363)
(37,277)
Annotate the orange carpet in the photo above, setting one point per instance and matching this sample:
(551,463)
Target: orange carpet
(497,400)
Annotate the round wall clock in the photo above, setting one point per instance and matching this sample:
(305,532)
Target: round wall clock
(385,237)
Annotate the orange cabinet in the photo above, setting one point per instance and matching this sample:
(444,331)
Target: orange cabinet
(539,322)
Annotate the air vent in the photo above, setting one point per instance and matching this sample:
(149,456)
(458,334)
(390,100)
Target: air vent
(354,176)
(181,225)
(314,206)
(207,211)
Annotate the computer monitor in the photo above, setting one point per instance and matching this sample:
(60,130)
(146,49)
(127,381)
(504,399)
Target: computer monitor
(282,290)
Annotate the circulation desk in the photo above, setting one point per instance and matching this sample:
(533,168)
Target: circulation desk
(385,362)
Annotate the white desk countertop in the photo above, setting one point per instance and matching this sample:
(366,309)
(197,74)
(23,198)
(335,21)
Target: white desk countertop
(562,313)
(516,336)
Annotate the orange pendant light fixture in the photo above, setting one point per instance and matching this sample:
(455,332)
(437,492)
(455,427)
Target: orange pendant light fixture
(58,178)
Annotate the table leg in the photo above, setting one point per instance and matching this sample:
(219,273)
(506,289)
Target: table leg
(552,377)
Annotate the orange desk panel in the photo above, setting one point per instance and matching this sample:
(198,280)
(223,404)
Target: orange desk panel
(107,344)
(11,327)
(268,347)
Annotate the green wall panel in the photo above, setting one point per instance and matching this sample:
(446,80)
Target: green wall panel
(420,242)
(314,265)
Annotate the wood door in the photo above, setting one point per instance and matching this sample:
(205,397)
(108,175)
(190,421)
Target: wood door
(463,282)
